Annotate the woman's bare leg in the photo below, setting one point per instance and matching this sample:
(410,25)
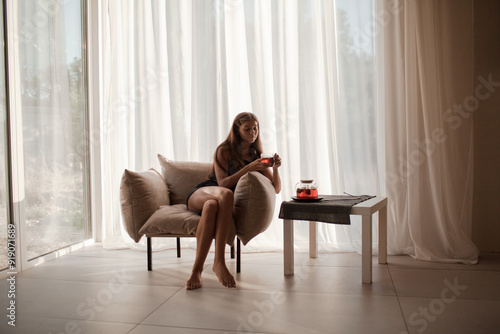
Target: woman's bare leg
(215,205)
(204,235)
(223,228)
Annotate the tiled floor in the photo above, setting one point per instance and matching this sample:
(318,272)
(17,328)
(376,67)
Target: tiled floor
(97,291)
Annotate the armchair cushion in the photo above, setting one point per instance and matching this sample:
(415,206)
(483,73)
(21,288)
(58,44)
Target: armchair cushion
(182,176)
(171,219)
(254,201)
(176,220)
(141,194)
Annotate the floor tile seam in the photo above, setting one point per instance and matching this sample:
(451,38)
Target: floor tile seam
(320,293)
(133,328)
(261,253)
(225,330)
(345,294)
(118,256)
(446,269)
(101,256)
(238,287)
(79,280)
(110,259)
(114,258)
(338,266)
(108,271)
(216,288)
(159,306)
(322,266)
(398,299)
(195,328)
(151,285)
(457,298)
(134,252)
(77,319)
(100,282)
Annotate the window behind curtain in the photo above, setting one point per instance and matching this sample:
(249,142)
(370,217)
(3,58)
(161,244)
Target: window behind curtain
(54,113)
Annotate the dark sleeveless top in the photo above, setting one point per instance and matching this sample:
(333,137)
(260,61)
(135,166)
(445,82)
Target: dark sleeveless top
(212,179)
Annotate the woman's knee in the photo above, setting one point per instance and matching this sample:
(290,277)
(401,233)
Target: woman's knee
(226,198)
(210,207)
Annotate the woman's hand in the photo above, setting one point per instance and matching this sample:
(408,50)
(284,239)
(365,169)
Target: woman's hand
(271,174)
(277,161)
(257,165)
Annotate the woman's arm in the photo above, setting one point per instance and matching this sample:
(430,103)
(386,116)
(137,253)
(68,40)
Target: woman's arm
(274,176)
(229,181)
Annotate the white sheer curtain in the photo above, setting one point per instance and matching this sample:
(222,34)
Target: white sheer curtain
(352,116)
(177,72)
(427,73)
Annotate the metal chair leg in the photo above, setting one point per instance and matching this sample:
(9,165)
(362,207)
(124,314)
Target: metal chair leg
(238,255)
(150,255)
(178,247)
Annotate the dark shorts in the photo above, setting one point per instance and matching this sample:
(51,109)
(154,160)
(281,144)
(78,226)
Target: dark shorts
(206,183)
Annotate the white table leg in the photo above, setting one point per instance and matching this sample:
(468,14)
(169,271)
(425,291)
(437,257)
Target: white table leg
(288,246)
(382,235)
(313,240)
(366,249)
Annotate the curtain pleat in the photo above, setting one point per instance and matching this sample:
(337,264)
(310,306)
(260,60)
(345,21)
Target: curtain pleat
(349,94)
(428,70)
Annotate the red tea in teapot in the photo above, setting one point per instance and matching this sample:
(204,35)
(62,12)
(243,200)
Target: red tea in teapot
(307,193)
(306,189)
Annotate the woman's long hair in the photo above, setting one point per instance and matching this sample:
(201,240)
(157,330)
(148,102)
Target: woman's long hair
(233,142)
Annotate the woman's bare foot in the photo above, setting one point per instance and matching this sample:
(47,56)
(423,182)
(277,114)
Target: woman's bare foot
(224,275)
(194,282)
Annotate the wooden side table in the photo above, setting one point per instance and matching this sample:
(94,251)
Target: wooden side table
(366,209)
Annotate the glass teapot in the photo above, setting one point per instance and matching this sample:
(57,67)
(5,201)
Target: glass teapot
(306,189)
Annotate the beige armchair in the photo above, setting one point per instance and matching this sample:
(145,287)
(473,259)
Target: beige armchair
(154,204)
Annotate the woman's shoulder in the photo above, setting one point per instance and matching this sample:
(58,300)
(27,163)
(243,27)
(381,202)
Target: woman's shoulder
(223,152)
(223,156)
